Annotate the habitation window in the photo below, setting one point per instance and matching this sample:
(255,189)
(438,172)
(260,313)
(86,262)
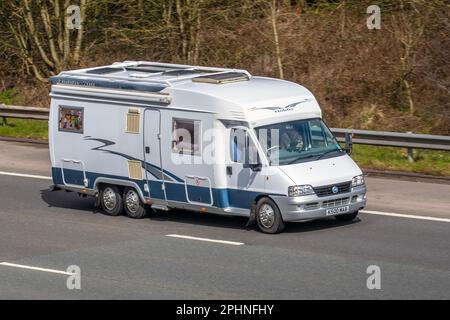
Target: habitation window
(186,136)
(71,119)
(132,121)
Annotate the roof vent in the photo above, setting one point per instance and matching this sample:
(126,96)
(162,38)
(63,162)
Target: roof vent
(103,70)
(222,78)
(140,75)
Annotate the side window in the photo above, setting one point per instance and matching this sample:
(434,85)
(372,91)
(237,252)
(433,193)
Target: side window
(237,140)
(243,150)
(317,134)
(329,138)
(186,136)
(71,119)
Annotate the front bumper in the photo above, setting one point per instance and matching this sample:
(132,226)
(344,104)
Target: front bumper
(314,207)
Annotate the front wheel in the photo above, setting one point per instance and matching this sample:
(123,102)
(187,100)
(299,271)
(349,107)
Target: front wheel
(268,216)
(133,205)
(347,216)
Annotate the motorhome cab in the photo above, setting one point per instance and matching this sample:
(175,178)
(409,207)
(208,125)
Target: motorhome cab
(144,134)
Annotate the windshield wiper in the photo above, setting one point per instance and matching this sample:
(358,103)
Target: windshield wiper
(303,157)
(327,152)
(319,156)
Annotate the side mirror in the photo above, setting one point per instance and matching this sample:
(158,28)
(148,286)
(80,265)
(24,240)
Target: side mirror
(348,143)
(255,166)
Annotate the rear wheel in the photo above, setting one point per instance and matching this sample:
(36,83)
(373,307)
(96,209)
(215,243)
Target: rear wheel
(268,216)
(111,200)
(347,216)
(133,205)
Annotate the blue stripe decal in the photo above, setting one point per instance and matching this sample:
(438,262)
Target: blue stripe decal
(154,170)
(222,197)
(167,173)
(156,190)
(73,175)
(196,194)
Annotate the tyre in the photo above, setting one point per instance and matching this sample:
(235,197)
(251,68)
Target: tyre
(133,205)
(268,216)
(347,216)
(111,200)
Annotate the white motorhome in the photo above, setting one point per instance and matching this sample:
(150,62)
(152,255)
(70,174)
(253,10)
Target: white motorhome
(142,134)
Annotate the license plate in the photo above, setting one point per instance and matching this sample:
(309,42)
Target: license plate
(337,210)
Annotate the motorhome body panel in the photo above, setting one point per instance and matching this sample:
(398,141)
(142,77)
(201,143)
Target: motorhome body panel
(170,137)
(101,151)
(100,147)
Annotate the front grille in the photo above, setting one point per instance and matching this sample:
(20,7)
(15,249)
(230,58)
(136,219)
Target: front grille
(335,203)
(328,190)
(312,206)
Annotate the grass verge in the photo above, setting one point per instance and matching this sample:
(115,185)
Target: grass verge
(395,159)
(21,128)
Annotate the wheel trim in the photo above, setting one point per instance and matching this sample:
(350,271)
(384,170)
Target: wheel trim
(109,199)
(132,201)
(266,215)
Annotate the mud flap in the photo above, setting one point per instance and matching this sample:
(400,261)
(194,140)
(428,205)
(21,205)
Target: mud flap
(96,201)
(53,187)
(252,218)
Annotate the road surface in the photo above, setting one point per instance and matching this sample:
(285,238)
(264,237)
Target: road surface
(405,231)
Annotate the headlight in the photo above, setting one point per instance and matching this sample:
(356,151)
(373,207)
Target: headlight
(304,190)
(358,181)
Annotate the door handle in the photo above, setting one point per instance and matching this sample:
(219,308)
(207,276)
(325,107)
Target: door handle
(147,149)
(229,170)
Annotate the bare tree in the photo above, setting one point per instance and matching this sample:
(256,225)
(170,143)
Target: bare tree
(276,41)
(46,43)
(188,16)
(408,28)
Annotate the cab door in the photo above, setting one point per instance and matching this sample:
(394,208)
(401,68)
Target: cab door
(245,177)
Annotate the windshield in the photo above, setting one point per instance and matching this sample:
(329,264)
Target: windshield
(298,141)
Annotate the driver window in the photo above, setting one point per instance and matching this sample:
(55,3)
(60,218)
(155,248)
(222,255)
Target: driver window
(237,139)
(243,149)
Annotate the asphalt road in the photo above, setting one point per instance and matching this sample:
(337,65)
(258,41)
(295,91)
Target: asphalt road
(124,258)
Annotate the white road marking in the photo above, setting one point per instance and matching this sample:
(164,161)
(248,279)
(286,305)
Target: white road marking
(21,266)
(409,216)
(34,176)
(205,239)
